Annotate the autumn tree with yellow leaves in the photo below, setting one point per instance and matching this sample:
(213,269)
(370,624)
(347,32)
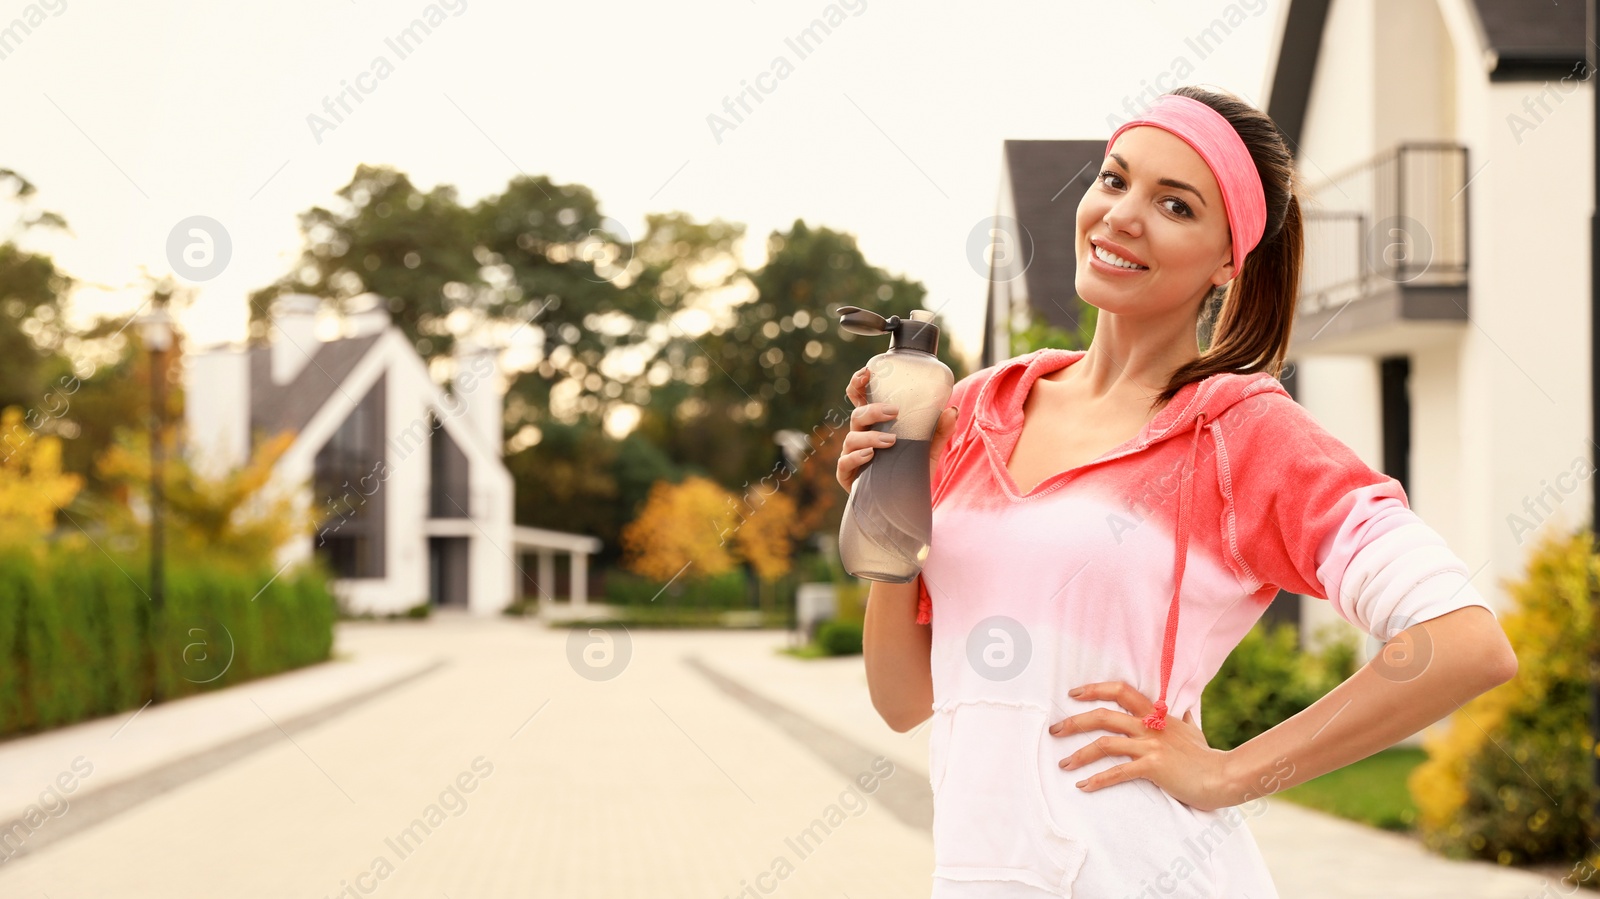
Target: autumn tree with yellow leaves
(229,517)
(32,486)
(680,525)
(699,525)
(765,533)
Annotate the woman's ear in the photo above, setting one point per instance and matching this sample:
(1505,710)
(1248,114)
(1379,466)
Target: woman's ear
(1224,273)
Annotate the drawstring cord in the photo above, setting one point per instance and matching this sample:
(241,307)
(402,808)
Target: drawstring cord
(1157,720)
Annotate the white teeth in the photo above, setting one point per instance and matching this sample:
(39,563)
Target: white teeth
(1112,258)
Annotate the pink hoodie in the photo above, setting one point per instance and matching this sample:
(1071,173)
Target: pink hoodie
(1079,581)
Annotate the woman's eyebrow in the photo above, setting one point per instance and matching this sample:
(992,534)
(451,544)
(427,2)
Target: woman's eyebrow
(1166,182)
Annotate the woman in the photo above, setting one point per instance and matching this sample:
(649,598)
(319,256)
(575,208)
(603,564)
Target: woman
(1080,495)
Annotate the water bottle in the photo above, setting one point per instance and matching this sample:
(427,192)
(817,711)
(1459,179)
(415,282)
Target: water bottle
(888,520)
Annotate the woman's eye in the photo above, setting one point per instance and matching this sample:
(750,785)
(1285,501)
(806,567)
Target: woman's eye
(1182,207)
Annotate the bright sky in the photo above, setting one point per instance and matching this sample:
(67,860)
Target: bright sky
(133,117)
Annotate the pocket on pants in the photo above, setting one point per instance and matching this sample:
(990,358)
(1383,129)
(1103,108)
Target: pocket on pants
(990,822)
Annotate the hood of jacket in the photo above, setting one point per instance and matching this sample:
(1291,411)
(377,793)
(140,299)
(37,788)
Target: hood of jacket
(1190,415)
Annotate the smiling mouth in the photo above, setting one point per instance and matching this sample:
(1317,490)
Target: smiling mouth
(1110,258)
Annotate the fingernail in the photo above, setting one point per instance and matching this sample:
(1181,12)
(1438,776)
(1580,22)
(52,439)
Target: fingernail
(1081,783)
(892,410)
(1075,691)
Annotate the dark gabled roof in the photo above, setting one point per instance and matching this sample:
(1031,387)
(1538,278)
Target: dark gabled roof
(275,407)
(1533,41)
(1297,62)
(1048,178)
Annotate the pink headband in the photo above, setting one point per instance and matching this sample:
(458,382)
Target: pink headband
(1204,129)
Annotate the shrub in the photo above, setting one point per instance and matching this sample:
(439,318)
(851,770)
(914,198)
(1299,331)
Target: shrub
(840,638)
(1268,679)
(525,607)
(1509,780)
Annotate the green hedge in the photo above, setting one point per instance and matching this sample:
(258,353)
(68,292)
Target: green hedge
(75,627)
(734,590)
(723,591)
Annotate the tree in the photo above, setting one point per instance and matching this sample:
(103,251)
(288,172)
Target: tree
(711,359)
(578,478)
(537,266)
(782,362)
(415,249)
(231,517)
(606,346)
(818,499)
(765,535)
(93,405)
(33,487)
(1040,333)
(681,525)
(31,292)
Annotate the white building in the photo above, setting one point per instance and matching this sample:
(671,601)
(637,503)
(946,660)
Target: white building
(412,500)
(1444,332)
(1447,150)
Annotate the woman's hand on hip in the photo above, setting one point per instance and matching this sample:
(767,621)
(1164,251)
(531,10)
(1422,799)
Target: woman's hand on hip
(1176,759)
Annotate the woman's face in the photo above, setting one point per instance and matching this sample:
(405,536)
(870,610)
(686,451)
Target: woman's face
(1156,202)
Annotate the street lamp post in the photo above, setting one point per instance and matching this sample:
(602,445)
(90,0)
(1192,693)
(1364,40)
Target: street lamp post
(156,328)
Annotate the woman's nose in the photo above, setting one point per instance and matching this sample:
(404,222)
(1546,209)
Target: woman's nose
(1123,216)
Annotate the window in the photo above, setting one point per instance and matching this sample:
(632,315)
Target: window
(448,493)
(349,483)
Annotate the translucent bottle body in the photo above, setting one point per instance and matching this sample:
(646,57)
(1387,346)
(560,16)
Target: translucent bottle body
(888,521)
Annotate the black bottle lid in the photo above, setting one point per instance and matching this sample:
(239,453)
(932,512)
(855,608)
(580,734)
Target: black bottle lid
(915,333)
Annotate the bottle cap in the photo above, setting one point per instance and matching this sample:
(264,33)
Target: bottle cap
(918,332)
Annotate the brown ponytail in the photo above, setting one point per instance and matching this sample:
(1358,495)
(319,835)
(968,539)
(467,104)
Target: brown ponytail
(1252,327)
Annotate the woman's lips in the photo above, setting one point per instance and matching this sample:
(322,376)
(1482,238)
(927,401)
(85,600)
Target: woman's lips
(1100,265)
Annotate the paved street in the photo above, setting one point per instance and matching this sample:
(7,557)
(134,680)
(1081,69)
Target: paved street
(703,769)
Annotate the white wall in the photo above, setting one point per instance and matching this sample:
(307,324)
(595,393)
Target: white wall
(1413,84)
(1528,356)
(1438,478)
(1338,131)
(216,409)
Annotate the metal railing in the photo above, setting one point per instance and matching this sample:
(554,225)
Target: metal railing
(1398,218)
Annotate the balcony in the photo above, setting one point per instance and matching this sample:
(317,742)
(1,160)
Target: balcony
(1385,266)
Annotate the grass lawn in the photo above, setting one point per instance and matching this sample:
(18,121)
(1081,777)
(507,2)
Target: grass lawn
(1372,791)
(804,651)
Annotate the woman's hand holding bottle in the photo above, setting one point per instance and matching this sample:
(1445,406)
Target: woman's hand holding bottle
(863,440)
